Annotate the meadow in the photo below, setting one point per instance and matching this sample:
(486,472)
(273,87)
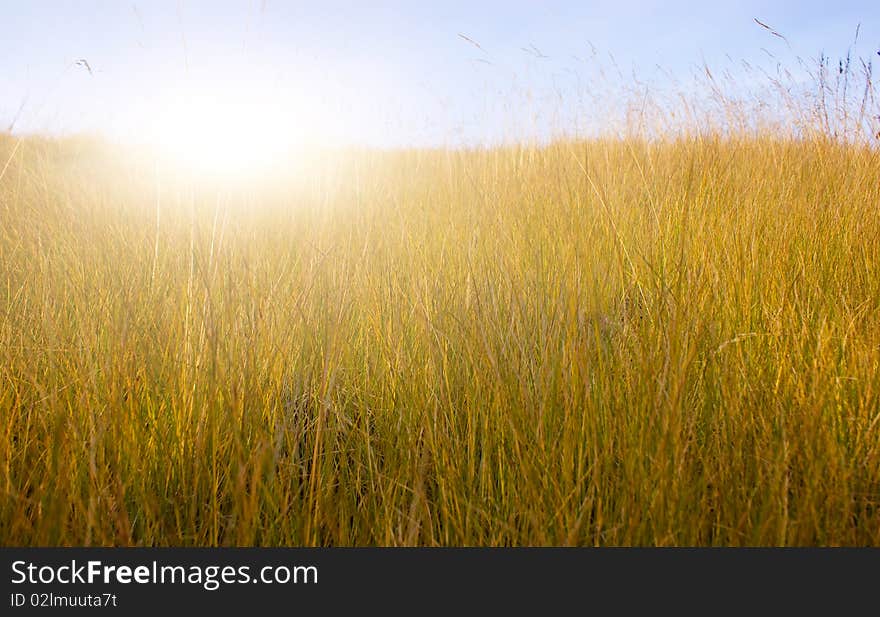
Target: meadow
(639,340)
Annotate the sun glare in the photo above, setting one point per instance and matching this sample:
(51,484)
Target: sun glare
(228,135)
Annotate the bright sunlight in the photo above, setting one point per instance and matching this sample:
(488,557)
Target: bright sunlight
(228,134)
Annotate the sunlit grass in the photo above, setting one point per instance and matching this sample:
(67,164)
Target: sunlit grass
(669,335)
(603,342)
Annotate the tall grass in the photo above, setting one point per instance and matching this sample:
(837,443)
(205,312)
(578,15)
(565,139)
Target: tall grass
(630,340)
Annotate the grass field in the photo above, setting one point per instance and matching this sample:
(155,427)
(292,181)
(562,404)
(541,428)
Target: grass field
(606,342)
(664,341)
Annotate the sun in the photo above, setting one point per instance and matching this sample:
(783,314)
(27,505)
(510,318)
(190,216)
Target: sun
(225,134)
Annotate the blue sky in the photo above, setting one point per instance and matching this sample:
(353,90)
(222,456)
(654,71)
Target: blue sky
(386,72)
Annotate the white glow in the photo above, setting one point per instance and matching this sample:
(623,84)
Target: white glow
(228,134)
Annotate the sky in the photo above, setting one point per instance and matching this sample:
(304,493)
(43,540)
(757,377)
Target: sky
(384,73)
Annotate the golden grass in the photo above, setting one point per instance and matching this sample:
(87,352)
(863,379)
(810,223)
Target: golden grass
(613,341)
